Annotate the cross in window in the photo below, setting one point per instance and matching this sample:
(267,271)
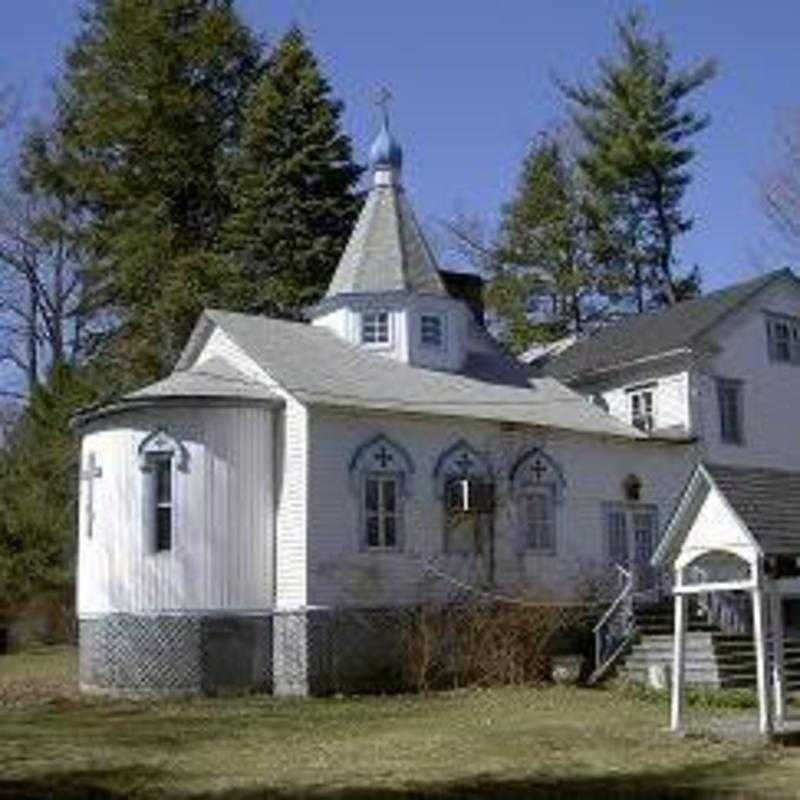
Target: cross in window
(383,457)
(90,474)
(464,463)
(538,469)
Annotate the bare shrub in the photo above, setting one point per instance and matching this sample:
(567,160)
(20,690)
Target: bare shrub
(488,642)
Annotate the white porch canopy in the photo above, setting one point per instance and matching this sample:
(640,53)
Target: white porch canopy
(736,529)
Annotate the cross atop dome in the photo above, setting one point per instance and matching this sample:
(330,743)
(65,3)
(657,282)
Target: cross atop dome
(382,99)
(385,155)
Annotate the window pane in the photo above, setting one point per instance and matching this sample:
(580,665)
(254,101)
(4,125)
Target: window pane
(390,531)
(389,496)
(431,330)
(371,495)
(729,395)
(546,536)
(617,528)
(163,475)
(163,528)
(375,327)
(373,537)
(540,521)
(383,327)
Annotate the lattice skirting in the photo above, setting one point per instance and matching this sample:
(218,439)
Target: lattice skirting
(175,654)
(326,651)
(312,651)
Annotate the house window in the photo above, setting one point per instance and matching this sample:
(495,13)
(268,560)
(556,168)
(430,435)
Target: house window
(631,537)
(783,339)
(381,511)
(159,467)
(375,327)
(538,487)
(642,409)
(539,519)
(381,476)
(432,330)
(729,397)
(463,480)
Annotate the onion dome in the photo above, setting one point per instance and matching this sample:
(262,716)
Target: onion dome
(385,152)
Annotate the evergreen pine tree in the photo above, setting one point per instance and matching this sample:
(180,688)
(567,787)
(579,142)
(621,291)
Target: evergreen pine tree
(292,186)
(39,486)
(636,130)
(149,108)
(542,259)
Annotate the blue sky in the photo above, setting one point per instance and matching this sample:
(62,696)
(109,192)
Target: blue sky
(471,82)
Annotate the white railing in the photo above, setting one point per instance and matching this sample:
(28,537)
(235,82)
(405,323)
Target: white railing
(727,610)
(616,625)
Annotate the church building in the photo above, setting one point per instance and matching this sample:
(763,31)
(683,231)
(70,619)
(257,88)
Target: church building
(379,456)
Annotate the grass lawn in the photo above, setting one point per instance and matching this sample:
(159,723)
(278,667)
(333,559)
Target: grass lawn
(514,742)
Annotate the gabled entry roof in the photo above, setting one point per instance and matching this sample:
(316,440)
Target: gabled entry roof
(763,503)
(768,502)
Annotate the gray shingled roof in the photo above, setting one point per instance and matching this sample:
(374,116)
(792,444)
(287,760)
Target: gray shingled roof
(387,251)
(768,502)
(317,367)
(213,378)
(649,335)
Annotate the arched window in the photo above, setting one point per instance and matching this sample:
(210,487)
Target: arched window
(537,486)
(380,472)
(159,455)
(463,480)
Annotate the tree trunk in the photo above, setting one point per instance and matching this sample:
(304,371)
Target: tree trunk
(31,334)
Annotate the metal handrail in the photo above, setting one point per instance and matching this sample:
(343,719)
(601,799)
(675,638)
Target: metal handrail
(626,589)
(622,597)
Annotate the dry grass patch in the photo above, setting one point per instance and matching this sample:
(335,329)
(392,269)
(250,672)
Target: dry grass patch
(512,742)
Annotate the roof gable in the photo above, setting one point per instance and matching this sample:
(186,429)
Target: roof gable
(729,508)
(650,336)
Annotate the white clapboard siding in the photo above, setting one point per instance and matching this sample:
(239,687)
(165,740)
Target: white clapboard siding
(405,329)
(594,469)
(293,488)
(291,483)
(223,524)
(670,399)
(769,389)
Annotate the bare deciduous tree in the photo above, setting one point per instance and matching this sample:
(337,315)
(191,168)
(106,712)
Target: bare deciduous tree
(41,286)
(781,184)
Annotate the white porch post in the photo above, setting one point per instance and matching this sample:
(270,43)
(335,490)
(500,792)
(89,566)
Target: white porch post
(778,675)
(762,678)
(678,655)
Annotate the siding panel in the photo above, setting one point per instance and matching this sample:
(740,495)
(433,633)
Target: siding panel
(223,523)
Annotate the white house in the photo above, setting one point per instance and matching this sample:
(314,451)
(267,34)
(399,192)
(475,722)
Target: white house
(371,459)
(723,369)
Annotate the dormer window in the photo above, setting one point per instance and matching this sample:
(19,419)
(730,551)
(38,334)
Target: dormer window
(783,338)
(375,327)
(432,330)
(642,416)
